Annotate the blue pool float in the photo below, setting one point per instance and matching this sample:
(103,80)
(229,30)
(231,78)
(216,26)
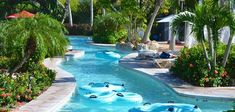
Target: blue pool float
(108,54)
(166,107)
(116,98)
(101,88)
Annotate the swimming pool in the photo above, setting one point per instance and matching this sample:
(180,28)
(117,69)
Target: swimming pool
(95,69)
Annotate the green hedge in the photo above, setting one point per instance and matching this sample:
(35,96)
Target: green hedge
(191,66)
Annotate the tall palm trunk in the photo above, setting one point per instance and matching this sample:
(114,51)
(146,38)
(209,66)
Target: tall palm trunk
(172,41)
(227,51)
(70,13)
(150,24)
(215,41)
(103,11)
(92,13)
(211,46)
(206,55)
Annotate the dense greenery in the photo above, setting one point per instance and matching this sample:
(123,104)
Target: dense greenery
(213,17)
(25,43)
(25,37)
(50,7)
(191,66)
(109,28)
(120,24)
(24,86)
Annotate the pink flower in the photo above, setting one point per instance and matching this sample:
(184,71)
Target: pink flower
(191,65)
(216,72)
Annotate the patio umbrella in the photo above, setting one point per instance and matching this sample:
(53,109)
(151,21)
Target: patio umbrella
(22,14)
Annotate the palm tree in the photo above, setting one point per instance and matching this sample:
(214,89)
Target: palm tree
(24,37)
(214,18)
(68,13)
(92,12)
(197,19)
(158,4)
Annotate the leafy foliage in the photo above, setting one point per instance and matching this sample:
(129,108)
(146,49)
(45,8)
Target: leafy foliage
(24,86)
(36,37)
(50,7)
(28,41)
(109,28)
(191,66)
(213,17)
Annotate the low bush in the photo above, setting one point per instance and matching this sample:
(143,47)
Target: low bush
(109,28)
(191,66)
(79,29)
(23,87)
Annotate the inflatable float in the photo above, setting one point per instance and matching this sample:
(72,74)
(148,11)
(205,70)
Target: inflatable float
(101,88)
(108,54)
(116,98)
(166,107)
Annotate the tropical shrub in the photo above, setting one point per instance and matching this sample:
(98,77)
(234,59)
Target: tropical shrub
(191,66)
(24,86)
(24,44)
(32,38)
(213,17)
(109,28)
(230,65)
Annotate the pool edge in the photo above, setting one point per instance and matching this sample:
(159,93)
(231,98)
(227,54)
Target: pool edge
(187,91)
(58,94)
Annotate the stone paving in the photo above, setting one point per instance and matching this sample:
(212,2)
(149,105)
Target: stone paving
(58,94)
(179,86)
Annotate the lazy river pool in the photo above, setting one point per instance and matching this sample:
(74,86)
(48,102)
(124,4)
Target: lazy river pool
(91,68)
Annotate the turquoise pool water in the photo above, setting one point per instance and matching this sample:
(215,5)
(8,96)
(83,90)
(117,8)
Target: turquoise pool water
(93,69)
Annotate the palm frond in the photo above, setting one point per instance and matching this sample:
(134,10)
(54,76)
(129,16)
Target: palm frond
(182,17)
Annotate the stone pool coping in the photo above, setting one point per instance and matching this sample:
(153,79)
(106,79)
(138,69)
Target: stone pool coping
(58,94)
(179,86)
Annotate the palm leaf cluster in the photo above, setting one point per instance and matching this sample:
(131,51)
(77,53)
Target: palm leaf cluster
(213,17)
(25,36)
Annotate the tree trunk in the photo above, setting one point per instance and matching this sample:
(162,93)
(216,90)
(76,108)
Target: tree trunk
(103,11)
(206,55)
(227,51)
(150,24)
(215,41)
(65,13)
(211,46)
(30,49)
(129,33)
(172,41)
(68,13)
(92,13)
(18,66)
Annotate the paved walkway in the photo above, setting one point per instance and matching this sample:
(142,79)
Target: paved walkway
(58,94)
(181,87)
